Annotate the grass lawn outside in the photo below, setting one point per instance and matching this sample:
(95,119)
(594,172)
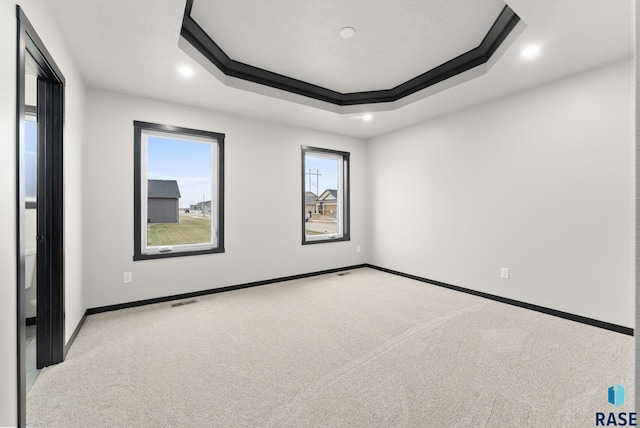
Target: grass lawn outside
(189,230)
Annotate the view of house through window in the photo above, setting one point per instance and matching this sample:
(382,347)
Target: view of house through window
(180,207)
(325,199)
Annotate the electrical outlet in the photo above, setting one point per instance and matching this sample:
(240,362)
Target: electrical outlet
(504,273)
(358,249)
(128,277)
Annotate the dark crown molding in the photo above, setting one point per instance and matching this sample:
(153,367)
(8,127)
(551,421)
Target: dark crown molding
(201,41)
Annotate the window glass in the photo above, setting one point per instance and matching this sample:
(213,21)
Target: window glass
(325,197)
(31,158)
(179,207)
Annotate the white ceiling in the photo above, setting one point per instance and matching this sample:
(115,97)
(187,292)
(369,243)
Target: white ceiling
(132,47)
(394,41)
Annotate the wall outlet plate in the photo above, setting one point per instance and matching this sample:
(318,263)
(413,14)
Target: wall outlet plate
(504,273)
(127,278)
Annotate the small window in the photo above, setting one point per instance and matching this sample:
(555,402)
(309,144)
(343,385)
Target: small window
(30,157)
(325,196)
(178,206)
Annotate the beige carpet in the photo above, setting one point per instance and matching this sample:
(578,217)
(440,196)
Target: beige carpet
(367,349)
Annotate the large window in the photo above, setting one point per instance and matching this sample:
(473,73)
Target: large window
(325,196)
(178,206)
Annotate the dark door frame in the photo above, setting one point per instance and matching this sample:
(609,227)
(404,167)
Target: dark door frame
(50,224)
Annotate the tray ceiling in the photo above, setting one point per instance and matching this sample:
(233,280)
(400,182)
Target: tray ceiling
(398,49)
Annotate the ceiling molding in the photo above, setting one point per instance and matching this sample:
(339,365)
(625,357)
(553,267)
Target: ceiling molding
(192,33)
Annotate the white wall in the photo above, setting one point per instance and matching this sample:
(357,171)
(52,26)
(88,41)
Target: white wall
(540,182)
(30,232)
(262,169)
(637,182)
(40,17)
(8,387)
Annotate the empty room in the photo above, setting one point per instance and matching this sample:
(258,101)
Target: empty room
(419,213)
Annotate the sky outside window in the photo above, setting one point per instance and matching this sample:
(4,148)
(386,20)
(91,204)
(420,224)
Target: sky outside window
(31,159)
(187,162)
(328,170)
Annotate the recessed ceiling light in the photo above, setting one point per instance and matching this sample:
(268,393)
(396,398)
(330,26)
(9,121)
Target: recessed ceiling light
(367,117)
(347,32)
(185,71)
(530,51)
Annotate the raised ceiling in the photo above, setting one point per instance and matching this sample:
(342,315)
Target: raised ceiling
(132,47)
(398,49)
(394,41)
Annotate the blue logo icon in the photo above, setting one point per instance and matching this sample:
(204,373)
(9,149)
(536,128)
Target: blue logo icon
(616,395)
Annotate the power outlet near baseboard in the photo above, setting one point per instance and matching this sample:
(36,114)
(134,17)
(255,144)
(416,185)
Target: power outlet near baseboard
(127,277)
(504,273)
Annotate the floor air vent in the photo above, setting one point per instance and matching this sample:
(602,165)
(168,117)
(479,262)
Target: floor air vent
(187,302)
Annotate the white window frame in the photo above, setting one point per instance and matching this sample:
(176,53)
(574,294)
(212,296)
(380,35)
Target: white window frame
(143,131)
(343,196)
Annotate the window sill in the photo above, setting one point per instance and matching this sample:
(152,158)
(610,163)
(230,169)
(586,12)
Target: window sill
(165,255)
(325,240)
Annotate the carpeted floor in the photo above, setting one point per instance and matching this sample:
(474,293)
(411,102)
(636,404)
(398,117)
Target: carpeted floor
(366,349)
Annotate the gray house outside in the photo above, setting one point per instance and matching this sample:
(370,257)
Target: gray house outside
(162,202)
(203,206)
(310,199)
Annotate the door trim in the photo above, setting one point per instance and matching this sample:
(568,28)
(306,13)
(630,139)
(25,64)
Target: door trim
(50,245)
